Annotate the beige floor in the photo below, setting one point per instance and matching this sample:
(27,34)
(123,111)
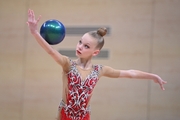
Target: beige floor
(144,36)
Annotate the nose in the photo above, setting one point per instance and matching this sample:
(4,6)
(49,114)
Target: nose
(80,47)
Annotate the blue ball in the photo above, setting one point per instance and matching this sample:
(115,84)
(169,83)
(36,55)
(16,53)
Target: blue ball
(53,31)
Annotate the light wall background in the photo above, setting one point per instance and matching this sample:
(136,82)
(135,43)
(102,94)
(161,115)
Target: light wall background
(145,35)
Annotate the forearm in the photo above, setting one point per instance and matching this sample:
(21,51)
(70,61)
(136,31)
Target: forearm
(52,52)
(42,42)
(138,74)
(142,75)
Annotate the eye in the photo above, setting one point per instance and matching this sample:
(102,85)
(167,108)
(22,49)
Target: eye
(86,46)
(80,41)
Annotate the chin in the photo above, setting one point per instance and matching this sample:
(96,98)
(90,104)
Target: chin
(78,55)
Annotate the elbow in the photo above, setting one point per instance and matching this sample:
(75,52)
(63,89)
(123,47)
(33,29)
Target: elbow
(132,74)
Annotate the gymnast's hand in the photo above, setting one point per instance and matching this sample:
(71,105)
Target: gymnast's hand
(32,22)
(160,81)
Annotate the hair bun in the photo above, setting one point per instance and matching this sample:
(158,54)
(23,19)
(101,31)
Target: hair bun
(102,31)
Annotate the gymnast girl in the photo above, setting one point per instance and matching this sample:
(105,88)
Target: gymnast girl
(80,76)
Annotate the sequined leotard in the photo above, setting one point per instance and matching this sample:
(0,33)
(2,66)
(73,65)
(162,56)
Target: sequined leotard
(76,105)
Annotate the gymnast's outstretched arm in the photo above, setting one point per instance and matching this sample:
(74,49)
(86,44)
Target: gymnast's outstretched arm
(136,74)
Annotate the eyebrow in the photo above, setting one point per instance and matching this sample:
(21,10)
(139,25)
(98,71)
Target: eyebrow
(85,43)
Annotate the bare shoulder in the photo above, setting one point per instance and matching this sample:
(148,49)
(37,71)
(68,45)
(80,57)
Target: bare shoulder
(108,71)
(66,63)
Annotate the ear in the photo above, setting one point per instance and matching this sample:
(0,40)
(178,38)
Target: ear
(96,52)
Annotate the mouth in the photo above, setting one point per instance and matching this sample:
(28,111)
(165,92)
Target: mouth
(77,51)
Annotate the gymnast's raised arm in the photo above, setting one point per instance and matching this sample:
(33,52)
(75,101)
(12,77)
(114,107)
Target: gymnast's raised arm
(32,23)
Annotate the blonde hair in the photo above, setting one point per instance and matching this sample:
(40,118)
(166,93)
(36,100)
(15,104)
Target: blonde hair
(98,35)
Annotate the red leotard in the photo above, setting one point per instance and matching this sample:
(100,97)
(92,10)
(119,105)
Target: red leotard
(79,93)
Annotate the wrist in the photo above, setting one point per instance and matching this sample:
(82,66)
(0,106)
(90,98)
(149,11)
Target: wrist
(34,32)
(156,77)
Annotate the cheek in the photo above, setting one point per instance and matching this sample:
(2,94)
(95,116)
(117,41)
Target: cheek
(77,45)
(88,52)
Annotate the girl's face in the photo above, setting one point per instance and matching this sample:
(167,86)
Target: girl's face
(86,47)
